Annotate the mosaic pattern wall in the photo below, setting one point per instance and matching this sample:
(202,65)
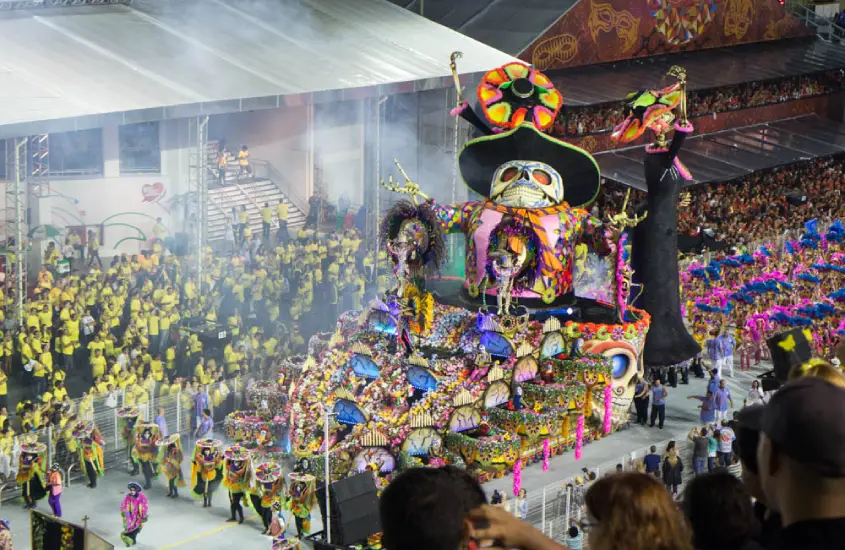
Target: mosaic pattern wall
(600,31)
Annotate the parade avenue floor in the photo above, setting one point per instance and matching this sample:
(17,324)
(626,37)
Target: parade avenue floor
(184,524)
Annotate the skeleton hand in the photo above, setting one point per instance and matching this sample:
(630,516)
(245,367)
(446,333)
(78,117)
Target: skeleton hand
(678,72)
(622,220)
(410,188)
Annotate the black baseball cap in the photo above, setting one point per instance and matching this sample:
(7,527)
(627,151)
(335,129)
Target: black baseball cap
(806,420)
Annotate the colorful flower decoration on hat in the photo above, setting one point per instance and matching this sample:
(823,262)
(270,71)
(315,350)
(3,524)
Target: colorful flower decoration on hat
(516,93)
(644,108)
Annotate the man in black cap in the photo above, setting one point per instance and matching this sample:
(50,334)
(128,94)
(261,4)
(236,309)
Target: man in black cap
(747,439)
(801,459)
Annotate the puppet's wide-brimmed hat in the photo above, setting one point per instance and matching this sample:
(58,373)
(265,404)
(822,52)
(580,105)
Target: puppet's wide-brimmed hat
(481,157)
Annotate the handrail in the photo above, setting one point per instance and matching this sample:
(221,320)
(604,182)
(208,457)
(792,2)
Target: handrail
(810,18)
(217,206)
(248,196)
(285,186)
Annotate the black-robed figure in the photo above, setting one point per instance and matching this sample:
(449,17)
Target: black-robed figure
(655,250)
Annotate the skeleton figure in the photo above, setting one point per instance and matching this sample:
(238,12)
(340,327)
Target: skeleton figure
(402,249)
(506,267)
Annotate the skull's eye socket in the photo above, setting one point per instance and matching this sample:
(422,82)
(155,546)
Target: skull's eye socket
(543,178)
(510,173)
(620,363)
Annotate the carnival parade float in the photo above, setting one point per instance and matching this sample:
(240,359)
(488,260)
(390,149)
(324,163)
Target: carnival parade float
(534,352)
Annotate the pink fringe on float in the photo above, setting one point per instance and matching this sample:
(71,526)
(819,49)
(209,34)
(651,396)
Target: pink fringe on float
(608,409)
(546,453)
(579,438)
(517,476)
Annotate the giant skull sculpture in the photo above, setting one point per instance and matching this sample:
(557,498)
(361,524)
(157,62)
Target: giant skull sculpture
(627,366)
(526,184)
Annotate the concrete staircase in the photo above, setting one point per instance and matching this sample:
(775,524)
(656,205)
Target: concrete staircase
(251,193)
(265,184)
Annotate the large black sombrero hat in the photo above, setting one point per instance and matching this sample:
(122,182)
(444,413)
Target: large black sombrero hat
(481,157)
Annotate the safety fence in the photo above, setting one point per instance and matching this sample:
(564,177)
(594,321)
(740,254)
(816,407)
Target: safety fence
(177,409)
(551,507)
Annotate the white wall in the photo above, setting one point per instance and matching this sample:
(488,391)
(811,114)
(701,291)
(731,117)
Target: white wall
(282,137)
(279,136)
(117,202)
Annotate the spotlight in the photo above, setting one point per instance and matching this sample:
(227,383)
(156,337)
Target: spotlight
(569,311)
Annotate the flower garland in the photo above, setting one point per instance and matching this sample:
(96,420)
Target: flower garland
(579,438)
(517,477)
(608,409)
(546,453)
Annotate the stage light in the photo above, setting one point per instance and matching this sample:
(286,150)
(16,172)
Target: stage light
(569,311)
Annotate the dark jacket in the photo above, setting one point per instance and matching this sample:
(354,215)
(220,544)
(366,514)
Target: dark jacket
(672,470)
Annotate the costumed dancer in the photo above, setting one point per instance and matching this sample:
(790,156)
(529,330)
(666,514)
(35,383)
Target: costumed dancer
(236,465)
(90,451)
(128,417)
(31,475)
(655,253)
(301,498)
(54,486)
(206,469)
(135,512)
(265,492)
(170,458)
(144,452)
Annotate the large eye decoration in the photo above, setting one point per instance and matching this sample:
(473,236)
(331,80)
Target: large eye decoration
(621,355)
(510,173)
(543,178)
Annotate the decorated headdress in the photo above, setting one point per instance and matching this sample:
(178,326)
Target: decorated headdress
(128,412)
(521,104)
(135,485)
(643,109)
(33,448)
(421,222)
(517,93)
(169,440)
(268,472)
(83,430)
(236,453)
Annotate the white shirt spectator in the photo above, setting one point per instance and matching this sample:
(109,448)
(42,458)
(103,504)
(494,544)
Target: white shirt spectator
(726,439)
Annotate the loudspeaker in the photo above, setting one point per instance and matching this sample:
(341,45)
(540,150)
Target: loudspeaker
(354,509)
(796,198)
(788,349)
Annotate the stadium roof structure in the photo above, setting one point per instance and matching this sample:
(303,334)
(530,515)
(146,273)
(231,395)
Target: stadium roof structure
(69,68)
(731,154)
(507,25)
(711,68)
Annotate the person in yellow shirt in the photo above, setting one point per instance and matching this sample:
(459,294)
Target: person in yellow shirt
(157,368)
(154,328)
(243,221)
(94,249)
(59,391)
(266,220)
(243,162)
(282,214)
(39,376)
(4,391)
(98,364)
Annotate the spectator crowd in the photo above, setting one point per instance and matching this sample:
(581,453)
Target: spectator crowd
(599,118)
